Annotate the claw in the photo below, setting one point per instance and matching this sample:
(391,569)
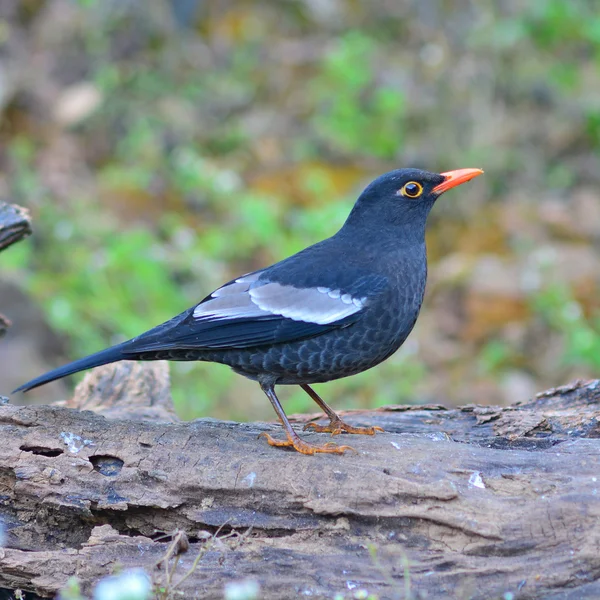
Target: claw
(337,426)
(304,447)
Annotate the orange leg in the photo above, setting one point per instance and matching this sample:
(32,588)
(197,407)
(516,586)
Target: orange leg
(336,425)
(293,440)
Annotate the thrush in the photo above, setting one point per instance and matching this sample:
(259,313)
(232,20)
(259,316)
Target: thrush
(332,310)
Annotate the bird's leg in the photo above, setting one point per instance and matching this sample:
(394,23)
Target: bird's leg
(293,439)
(336,425)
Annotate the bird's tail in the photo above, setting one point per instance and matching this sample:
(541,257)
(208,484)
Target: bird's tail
(104,357)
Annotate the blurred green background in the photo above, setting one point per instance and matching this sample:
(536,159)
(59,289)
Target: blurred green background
(164,147)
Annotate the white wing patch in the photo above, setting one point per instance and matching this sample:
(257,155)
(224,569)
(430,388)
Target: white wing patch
(313,305)
(231,301)
(240,299)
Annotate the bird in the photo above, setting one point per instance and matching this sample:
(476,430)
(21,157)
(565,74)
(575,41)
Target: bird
(334,309)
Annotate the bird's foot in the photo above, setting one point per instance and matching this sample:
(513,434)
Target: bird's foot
(304,447)
(337,426)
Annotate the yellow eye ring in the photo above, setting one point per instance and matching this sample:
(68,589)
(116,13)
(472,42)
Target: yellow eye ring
(412,189)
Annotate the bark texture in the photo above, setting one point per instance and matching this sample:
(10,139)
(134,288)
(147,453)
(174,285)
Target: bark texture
(472,502)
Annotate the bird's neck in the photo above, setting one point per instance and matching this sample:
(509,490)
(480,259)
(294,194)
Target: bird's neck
(390,253)
(385,237)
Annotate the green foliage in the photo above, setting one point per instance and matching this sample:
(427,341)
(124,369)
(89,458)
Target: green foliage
(560,32)
(71,590)
(592,126)
(494,357)
(581,334)
(358,114)
(552,23)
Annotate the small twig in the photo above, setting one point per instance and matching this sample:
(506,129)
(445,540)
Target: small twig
(206,547)
(179,545)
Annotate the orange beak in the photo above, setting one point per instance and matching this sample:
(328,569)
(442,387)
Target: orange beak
(454,178)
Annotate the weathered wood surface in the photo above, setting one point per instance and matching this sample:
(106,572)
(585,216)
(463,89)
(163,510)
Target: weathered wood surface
(468,503)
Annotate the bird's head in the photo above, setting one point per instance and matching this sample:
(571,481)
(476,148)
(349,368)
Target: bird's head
(404,197)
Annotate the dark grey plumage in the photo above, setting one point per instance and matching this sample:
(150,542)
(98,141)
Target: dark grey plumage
(333,310)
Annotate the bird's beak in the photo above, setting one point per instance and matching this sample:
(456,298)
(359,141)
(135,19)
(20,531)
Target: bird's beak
(454,178)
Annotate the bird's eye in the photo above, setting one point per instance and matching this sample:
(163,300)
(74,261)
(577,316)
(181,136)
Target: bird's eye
(412,189)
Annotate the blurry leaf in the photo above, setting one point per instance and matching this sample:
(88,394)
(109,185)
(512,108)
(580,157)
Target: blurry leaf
(356,113)
(581,335)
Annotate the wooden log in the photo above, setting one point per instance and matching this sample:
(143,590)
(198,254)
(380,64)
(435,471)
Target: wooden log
(474,502)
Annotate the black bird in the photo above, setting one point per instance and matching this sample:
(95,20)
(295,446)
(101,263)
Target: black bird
(333,310)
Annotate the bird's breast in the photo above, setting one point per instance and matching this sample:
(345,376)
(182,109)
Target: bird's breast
(392,317)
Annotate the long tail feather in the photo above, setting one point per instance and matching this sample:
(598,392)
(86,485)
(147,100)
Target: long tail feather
(104,357)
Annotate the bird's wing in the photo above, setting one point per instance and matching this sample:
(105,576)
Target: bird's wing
(253,311)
